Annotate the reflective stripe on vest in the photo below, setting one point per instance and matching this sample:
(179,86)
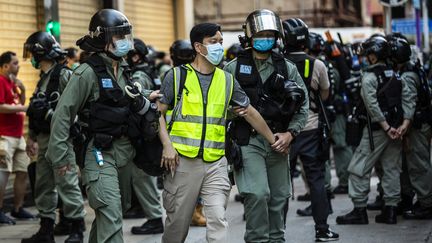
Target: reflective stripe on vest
(199,124)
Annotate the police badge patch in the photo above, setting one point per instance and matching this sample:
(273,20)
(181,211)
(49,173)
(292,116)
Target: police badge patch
(107,83)
(246,69)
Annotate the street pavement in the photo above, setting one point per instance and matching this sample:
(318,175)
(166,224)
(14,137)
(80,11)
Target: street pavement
(299,229)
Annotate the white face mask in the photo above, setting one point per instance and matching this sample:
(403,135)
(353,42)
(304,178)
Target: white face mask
(214,53)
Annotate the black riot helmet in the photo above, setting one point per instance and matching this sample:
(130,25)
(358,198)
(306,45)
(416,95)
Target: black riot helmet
(316,43)
(296,33)
(400,50)
(294,97)
(181,52)
(42,46)
(140,48)
(377,45)
(104,25)
(233,51)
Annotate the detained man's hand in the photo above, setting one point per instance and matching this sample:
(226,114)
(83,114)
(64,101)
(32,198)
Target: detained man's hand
(170,158)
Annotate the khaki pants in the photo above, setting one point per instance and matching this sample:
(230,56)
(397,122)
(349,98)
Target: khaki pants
(194,178)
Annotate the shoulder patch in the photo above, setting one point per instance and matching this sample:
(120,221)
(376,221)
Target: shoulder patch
(107,83)
(245,69)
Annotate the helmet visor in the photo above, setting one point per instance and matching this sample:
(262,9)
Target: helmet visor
(27,54)
(261,21)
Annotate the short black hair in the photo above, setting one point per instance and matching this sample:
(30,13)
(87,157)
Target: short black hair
(201,31)
(71,52)
(6,57)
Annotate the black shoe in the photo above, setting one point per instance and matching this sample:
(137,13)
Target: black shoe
(377,205)
(64,226)
(305,212)
(45,233)
(304,198)
(134,213)
(296,173)
(324,235)
(405,205)
(356,216)
(419,213)
(22,214)
(77,235)
(152,226)
(387,216)
(5,219)
(341,190)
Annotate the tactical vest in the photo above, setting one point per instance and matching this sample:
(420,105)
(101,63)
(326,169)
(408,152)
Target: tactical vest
(305,66)
(42,104)
(389,92)
(249,78)
(198,128)
(423,112)
(109,113)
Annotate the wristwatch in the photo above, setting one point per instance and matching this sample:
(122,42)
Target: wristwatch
(293,132)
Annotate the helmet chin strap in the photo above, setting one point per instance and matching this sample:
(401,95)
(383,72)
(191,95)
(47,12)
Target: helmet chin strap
(112,56)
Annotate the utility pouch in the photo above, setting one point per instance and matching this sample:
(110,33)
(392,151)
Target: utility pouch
(233,154)
(102,141)
(240,131)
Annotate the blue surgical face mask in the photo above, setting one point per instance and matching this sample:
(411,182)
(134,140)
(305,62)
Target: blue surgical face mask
(75,65)
(264,44)
(122,47)
(214,53)
(34,63)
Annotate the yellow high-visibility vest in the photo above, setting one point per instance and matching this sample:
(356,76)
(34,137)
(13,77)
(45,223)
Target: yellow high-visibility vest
(198,129)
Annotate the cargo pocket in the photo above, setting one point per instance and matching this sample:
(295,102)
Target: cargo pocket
(95,189)
(169,196)
(357,166)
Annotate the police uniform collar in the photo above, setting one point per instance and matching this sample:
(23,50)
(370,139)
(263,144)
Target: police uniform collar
(44,74)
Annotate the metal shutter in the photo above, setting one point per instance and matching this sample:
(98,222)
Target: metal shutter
(75,18)
(152,21)
(18,20)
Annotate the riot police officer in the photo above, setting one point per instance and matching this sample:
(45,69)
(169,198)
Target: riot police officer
(181,52)
(105,100)
(417,137)
(45,52)
(264,180)
(382,95)
(312,145)
(144,185)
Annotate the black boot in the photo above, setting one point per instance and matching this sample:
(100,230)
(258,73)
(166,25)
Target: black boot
(304,198)
(341,190)
(419,213)
(152,226)
(76,235)
(356,216)
(64,225)
(405,205)
(377,205)
(305,212)
(45,233)
(387,216)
